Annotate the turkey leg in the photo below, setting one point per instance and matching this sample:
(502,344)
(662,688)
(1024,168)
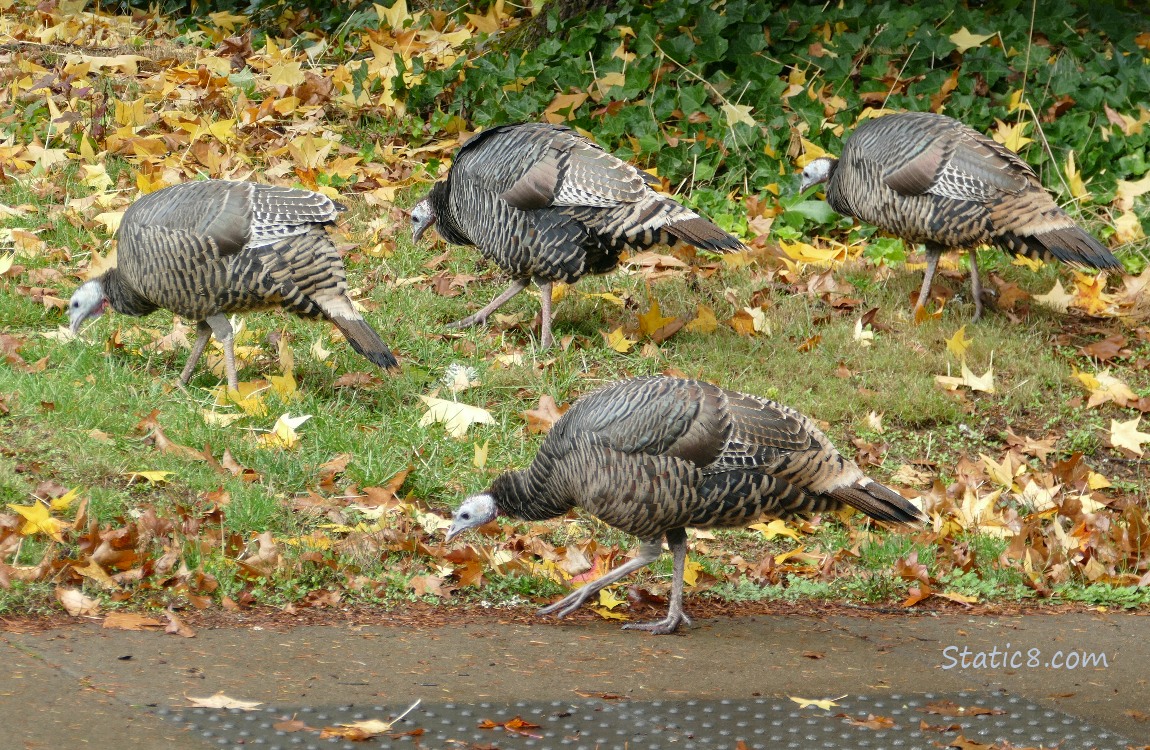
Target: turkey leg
(203,333)
(480,317)
(933,253)
(545,339)
(975,285)
(677,541)
(649,551)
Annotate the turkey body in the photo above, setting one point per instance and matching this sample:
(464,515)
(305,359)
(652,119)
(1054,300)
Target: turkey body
(209,248)
(654,456)
(929,178)
(545,204)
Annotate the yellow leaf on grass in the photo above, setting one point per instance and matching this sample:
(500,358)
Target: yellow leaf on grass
(151,477)
(777,527)
(618,341)
(736,113)
(704,322)
(864,336)
(1012,136)
(1096,481)
(1128,228)
(456,417)
(958,343)
(62,503)
(1129,190)
(283,433)
(691,571)
(1126,435)
(1105,387)
(393,16)
(284,385)
(219,419)
(37,520)
(6,262)
(984,383)
(824,703)
(1074,179)
(652,320)
(286,74)
(784,556)
(1034,264)
(249,397)
(318,353)
(964,39)
(612,298)
(1056,299)
(609,600)
(479,460)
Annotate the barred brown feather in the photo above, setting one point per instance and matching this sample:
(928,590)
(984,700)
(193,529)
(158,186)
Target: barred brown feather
(929,178)
(546,204)
(208,248)
(653,456)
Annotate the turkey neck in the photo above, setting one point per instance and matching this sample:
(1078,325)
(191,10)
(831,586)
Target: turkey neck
(440,198)
(836,199)
(123,298)
(529,494)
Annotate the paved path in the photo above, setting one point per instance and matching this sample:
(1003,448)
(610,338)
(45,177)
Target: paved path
(89,687)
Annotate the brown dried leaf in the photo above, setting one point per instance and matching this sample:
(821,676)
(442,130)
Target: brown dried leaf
(541,419)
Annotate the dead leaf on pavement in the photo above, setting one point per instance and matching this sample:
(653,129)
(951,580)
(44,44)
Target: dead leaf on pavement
(131,621)
(76,603)
(219,700)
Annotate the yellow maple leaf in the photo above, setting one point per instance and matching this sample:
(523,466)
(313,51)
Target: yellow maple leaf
(38,520)
(1074,179)
(609,600)
(607,614)
(964,39)
(1105,387)
(777,527)
(958,343)
(249,397)
(1128,228)
(1126,435)
(1003,473)
(1056,299)
(393,16)
(286,74)
(691,571)
(1034,264)
(1012,136)
(152,477)
(62,503)
(456,417)
(283,433)
(704,322)
(479,459)
(284,385)
(618,341)
(653,320)
(736,113)
(1129,190)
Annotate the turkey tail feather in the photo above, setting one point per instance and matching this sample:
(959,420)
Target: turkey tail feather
(366,341)
(1069,244)
(703,234)
(879,502)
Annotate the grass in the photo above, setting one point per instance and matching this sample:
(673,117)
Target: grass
(76,422)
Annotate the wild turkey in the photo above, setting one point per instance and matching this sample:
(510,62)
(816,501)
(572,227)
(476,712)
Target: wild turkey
(203,249)
(652,456)
(544,203)
(929,178)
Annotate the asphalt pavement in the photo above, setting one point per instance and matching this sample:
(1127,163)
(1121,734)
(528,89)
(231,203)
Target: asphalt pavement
(85,686)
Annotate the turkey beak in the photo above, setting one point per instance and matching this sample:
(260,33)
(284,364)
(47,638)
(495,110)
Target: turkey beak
(453,532)
(420,228)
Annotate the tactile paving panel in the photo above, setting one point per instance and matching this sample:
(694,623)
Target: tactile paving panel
(666,725)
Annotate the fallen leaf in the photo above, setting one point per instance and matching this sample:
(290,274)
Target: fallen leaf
(37,520)
(824,703)
(958,343)
(1126,435)
(283,433)
(130,621)
(76,603)
(618,341)
(219,700)
(456,417)
(544,416)
(965,40)
(777,527)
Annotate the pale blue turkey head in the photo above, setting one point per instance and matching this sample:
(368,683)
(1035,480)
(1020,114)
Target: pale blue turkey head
(475,511)
(817,171)
(422,218)
(87,302)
